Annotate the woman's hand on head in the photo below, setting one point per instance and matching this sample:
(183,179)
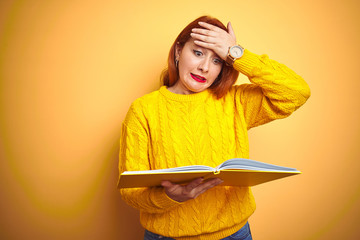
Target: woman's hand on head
(182,193)
(214,38)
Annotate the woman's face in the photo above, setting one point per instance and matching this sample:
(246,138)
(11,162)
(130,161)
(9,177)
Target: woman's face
(198,68)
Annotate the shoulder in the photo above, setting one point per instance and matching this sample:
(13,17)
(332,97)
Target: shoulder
(146,102)
(242,89)
(233,92)
(152,96)
(140,108)
(238,94)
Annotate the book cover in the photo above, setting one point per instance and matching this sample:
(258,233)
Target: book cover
(234,172)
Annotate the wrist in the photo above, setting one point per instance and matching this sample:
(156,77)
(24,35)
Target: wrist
(246,64)
(234,52)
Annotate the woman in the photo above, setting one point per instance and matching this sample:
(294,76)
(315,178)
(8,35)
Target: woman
(199,118)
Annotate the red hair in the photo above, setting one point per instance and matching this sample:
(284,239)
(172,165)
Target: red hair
(228,74)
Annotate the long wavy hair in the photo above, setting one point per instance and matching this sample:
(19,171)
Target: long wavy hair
(228,75)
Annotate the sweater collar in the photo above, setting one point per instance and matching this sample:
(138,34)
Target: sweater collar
(184,97)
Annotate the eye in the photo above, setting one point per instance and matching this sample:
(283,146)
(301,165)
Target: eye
(198,53)
(217,61)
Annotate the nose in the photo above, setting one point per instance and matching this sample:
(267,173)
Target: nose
(205,64)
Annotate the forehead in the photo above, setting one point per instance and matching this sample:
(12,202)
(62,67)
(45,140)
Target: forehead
(191,45)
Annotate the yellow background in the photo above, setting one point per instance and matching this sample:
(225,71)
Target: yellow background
(70,69)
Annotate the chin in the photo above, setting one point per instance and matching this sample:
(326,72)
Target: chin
(197,89)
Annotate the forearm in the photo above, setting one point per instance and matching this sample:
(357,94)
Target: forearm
(276,91)
(133,156)
(152,200)
(286,90)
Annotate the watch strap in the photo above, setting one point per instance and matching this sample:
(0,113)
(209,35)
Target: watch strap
(230,59)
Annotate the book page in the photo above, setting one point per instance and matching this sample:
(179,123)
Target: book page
(194,168)
(247,164)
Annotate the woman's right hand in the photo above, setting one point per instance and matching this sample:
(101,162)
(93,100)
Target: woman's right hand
(182,193)
(214,38)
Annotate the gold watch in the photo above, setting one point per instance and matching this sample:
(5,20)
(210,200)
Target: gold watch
(234,52)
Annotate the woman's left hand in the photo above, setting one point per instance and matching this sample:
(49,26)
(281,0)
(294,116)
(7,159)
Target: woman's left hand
(214,38)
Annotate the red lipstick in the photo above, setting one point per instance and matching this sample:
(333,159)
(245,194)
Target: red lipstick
(198,78)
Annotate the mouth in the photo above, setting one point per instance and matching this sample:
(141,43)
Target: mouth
(198,78)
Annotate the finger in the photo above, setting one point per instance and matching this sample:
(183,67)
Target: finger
(193,184)
(170,188)
(205,44)
(230,30)
(167,184)
(213,182)
(204,32)
(209,184)
(209,26)
(206,186)
(203,38)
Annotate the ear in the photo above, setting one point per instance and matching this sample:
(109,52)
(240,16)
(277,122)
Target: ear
(178,49)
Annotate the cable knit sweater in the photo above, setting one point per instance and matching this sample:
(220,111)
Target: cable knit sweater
(164,130)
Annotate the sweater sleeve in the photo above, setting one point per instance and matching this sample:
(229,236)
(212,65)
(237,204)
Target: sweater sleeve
(275,90)
(133,156)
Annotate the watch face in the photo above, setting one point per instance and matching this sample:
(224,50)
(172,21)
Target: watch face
(236,51)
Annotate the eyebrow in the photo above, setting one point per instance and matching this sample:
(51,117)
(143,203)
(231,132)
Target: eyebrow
(206,50)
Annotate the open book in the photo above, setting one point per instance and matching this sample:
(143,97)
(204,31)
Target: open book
(234,172)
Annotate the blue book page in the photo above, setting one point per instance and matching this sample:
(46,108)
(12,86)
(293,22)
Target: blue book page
(193,168)
(247,164)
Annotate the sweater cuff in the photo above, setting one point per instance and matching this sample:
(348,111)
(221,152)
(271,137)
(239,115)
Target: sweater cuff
(247,62)
(162,200)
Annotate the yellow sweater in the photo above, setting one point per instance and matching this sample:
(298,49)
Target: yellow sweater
(164,130)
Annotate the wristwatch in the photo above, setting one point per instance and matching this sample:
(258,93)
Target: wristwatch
(234,52)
